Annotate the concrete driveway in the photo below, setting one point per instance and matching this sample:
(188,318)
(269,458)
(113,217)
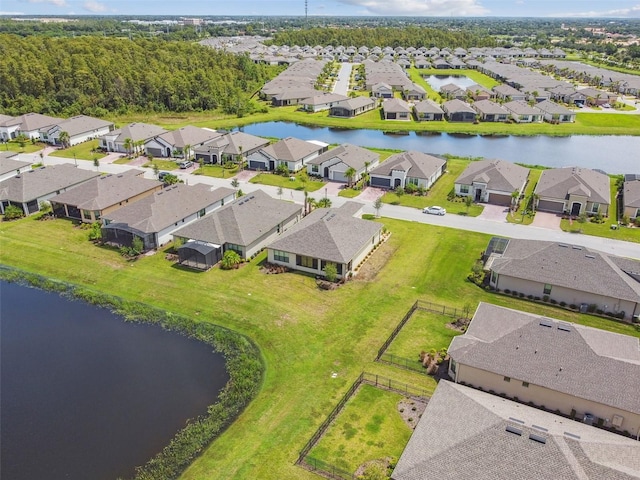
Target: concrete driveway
(370,194)
(547,220)
(494,213)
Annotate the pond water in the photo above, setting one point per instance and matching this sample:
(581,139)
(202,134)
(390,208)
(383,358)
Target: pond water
(437,81)
(86,395)
(612,154)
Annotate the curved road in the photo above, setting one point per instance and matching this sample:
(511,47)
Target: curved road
(474,224)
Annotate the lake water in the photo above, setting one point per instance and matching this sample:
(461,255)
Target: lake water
(437,81)
(612,154)
(86,395)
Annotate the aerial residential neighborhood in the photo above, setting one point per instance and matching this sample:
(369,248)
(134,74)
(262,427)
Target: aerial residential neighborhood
(408,245)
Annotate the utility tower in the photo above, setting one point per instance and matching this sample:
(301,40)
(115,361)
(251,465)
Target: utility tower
(306,12)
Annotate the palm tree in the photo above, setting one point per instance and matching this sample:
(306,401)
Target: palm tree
(514,198)
(378,205)
(350,173)
(186,152)
(324,203)
(128,145)
(235,183)
(64,139)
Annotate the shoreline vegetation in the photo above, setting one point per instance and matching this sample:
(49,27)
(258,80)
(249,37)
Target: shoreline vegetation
(243,360)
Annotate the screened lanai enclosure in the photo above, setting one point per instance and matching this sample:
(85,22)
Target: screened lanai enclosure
(199,255)
(121,235)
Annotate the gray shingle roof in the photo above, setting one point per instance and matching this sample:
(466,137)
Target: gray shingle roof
(81,124)
(396,105)
(428,106)
(418,164)
(584,362)
(455,105)
(158,211)
(189,135)
(351,155)
(567,266)
(43,181)
(558,182)
(241,222)
(291,149)
(520,107)
(550,107)
(320,98)
(632,194)
(328,234)
(462,436)
(137,132)
(500,175)
(9,162)
(489,107)
(108,190)
(31,121)
(356,102)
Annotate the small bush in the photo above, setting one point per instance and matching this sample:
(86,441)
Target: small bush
(12,212)
(573,306)
(563,304)
(545,298)
(507,291)
(553,301)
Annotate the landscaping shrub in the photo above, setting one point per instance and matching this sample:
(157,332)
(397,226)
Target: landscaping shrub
(12,212)
(545,298)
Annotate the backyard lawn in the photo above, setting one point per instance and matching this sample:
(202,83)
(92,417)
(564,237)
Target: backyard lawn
(369,428)
(305,334)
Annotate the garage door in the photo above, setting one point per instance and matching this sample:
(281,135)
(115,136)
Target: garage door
(338,177)
(255,165)
(498,199)
(380,182)
(156,152)
(550,206)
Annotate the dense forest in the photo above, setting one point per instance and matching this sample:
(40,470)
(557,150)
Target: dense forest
(95,75)
(410,36)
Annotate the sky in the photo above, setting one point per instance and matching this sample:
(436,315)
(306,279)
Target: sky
(449,8)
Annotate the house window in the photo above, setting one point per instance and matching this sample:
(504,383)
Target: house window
(506,379)
(202,213)
(323,264)
(413,181)
(86,214)
(280,256)
(638,213)
(314,168)
(595,207)
(547,289)
(525,384)
(307,262)
(464,188)
(234,247)
(494,277)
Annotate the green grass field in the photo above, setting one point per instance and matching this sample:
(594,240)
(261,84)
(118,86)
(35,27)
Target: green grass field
(304,333)
(29,147)
(82,151)
(368,428)
(216,171)
(287,182)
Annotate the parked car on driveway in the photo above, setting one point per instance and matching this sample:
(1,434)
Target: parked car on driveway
(162,175)
(186,164)
(434,210)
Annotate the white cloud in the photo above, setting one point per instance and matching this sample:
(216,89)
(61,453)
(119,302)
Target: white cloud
(55,3)
(94,7)
(632,12)
(11,13)
(420,7)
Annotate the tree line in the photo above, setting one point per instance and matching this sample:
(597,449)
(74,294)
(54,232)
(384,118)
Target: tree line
(97,75)
(410,36)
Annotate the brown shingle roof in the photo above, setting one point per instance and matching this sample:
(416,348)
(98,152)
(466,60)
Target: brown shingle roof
(500,175)
(558,182)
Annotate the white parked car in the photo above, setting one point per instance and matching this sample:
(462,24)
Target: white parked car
(435,210)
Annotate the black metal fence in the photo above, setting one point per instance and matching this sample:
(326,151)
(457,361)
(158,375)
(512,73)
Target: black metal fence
(396,330)
(415,364)
(444,309)
(326,469)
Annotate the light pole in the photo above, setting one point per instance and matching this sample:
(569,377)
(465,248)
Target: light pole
(75,160)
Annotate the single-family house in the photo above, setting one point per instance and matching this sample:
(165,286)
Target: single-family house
(580,372)
(440,64)
(79,129)
(123,139)
(495,438)
(246,226)
(293,96)
(229,147)
(410,167)
(99,196)
(453,91)
(352,107)
(327,235)
(478,92)
(554,113)
(522,112)
(598,97)
(508,93)
(382,90)
(414,92)
(573,190)
(154,218)
(427,111)
(631,197)
(333,164)
(321,101)
(489,111)
(292,152)
(32,187)
(28,125)
(11,165)
(396,109)
(458,111)
(180,142)
(492,181)
(571,274)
